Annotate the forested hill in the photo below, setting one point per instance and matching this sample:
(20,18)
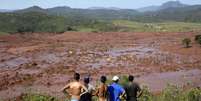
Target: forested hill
(103,14)
(182,14)
(169,11)
(60,19)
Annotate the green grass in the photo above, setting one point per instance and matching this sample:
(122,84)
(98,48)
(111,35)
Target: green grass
(38,97)
(3,33)
(171,93)
(85,29)
(157,27)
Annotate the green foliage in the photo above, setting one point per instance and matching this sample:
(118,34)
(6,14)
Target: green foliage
(198,39)
(3,33)
(181,14)
(38,97)
(172,93)
(146,96)
(41,22)
(186,42)
(59,20)
(194,94)
(125,25)
(124,80)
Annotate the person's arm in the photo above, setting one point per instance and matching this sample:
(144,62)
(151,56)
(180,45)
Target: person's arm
(84,90)
(139,91)
(64,89)
(96,91)
(93,90)
(123,94)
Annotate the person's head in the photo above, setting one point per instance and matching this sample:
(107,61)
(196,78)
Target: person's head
(115,79)
(103,79)
(86,80)
(77,76)
(130,78)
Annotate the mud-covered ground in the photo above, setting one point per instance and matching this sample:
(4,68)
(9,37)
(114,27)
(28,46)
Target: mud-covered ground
(44,62)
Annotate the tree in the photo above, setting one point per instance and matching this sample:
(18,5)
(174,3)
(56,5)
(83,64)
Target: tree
(186,42)
(197,37)
(199,41)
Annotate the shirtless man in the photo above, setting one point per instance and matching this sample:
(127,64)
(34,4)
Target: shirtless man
(75,89)
(102,90)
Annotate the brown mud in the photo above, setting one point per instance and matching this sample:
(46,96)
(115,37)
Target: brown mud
(45,62)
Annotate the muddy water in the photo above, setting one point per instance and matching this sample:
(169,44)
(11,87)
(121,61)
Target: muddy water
(155,81)
(14,62)
(131,57)
(126,57)
(158,81)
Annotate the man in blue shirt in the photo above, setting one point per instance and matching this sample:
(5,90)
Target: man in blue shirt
(116,91)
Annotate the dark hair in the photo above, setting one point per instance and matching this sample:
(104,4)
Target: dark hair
(86,80)
(130,78)
(103,79)
(77,76)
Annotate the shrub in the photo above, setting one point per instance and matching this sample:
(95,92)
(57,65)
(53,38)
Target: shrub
(197,37)
(186,42)
(38,97)
(199,41)
(194,94)
(146,95)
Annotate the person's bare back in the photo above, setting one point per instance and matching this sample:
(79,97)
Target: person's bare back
(75,89)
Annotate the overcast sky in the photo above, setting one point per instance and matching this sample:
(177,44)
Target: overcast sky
(19,4)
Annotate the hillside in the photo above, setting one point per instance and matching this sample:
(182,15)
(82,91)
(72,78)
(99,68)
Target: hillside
(97,13)
(61,19)
(182,14)
(33,21)
(168,11)
(169,4)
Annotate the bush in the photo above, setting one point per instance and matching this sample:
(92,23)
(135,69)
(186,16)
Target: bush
(199,41)
(170,93)
(146,95)
(186,42)
(197,37)
(194,94)
(37,97)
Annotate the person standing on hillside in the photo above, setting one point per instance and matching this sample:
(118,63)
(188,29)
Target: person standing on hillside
(133,90)
(90,89)
(116,91)
(101,91)
(75,89)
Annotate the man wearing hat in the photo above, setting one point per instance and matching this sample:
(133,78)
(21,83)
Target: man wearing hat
(115,90)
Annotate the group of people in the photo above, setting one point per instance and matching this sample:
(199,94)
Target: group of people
(112,92)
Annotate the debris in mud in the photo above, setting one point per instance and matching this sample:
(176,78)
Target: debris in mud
(48,62)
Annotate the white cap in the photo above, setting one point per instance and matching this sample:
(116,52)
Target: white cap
(115,78)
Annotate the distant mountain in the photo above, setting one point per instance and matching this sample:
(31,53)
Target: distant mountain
(149,8)
(92,13)
(107,8)
(169,4)
(172,4)
(5,10)
(183,14)
(31,9)
(169,11)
